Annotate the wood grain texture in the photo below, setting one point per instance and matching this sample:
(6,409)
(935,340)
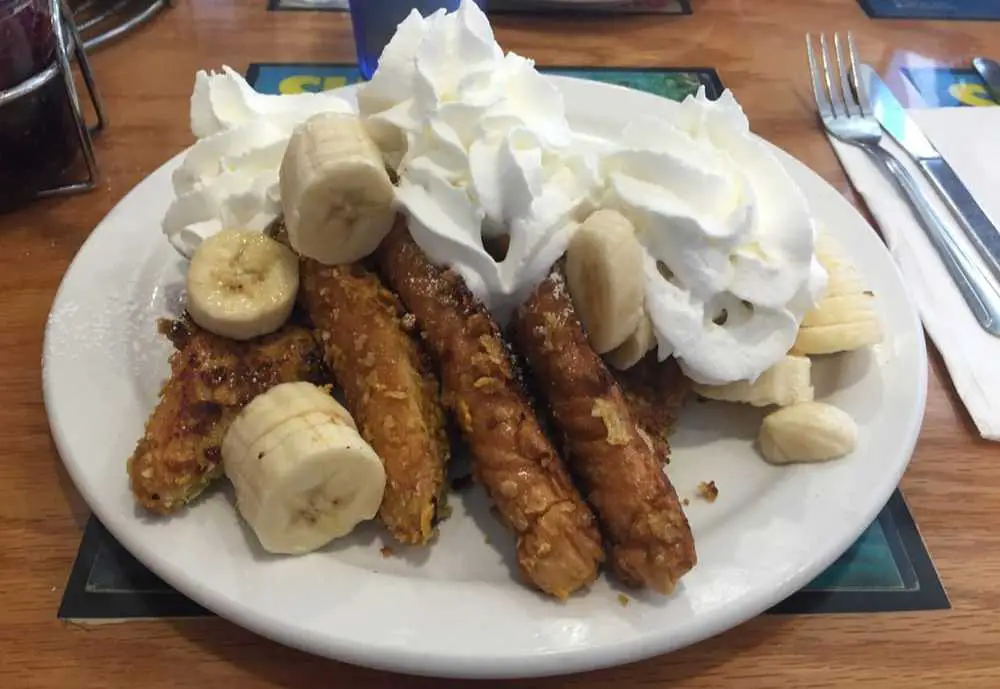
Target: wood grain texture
(953,484)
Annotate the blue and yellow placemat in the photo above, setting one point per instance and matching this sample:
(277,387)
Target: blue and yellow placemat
(887,569)
(970,10)
(288,78)
(523,6)
(947,87)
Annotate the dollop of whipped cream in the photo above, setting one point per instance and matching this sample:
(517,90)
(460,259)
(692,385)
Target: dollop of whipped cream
(482,148)
(229,178)
(729,259)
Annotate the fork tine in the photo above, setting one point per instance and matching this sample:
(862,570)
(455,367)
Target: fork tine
(819,94)
(850,102)
(856,82)
(836,102)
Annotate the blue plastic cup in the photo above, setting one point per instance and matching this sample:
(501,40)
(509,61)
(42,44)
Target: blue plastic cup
(375,22)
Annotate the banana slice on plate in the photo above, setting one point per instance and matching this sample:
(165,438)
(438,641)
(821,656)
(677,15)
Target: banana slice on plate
(286,401)
(787,382)
(337,197)
(843,276)
(241,285)
(605,278)
(807,432)
(634,348)
(303,475)
(831,339)
(846,308)
(846,317)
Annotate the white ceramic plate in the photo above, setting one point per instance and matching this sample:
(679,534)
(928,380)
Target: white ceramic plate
(455,609)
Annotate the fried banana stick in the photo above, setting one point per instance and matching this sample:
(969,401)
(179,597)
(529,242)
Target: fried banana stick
(390,390)
(558,546)
(649,539)
(212,378)
(655,392)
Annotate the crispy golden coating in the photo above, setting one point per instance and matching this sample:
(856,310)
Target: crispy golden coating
(650,542)
(390,390)
(558,545)
(212,378)
(655,392)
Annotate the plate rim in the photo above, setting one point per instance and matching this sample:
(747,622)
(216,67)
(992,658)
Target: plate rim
(418,662)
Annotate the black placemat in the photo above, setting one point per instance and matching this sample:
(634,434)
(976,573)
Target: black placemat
(970,10)
(887,570)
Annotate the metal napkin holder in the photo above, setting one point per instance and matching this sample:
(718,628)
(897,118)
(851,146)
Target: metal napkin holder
(69,47)
(98,26)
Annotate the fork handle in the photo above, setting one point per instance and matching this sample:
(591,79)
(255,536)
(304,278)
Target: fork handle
(976,288)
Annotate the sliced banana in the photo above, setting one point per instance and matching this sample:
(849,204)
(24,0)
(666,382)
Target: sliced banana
(632,350)
(807,432)
(605,278)
(336,194)
(288,400)
(303,475)
(841,309)
(842,275)
(241,284)
(786,383)
(845,337)
(846,318)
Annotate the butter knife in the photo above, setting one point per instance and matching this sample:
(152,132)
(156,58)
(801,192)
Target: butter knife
(989,71)
(973,221)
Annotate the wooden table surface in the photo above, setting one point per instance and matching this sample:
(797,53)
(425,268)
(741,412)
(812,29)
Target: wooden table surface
(952,485)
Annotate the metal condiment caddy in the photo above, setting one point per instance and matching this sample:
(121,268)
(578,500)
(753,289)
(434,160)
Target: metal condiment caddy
(70,46)
(98,25)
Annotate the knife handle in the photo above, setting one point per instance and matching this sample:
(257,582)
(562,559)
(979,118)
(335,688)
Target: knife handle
(977,226)
(974,285)
(989,70)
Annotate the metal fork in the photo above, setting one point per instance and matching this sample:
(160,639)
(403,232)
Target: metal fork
(846,112)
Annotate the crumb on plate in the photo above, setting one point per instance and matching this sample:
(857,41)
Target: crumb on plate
(708,491)
(386,551)
(623,600)
(685,502)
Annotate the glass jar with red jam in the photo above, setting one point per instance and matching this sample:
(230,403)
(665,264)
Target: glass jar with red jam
(37,130)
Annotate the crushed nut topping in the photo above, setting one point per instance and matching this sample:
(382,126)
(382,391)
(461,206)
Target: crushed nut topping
(618,433)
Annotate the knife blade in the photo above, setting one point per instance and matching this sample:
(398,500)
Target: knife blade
(970,216)
(989,71)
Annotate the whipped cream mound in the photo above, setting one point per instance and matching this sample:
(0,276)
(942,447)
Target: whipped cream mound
(729,260)
(482,148)
(229,178)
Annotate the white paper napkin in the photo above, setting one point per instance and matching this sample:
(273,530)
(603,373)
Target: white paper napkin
(969,140)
